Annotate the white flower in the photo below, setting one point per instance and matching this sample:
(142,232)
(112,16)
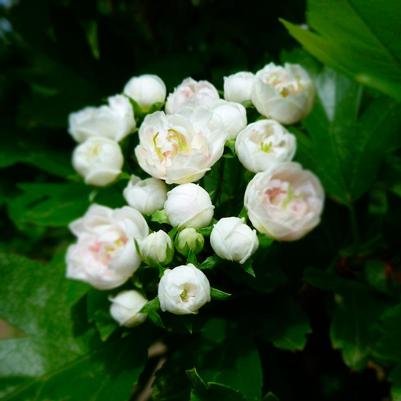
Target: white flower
(105,255)
(263,144)
(199,93)
(98,160)
(233,116)
(283,93)
(284,202)
(180,148)
(189,205)
(238,87)
(157,249)
(146,90)
(183,290)
(146,195)
(114,121)
(125,307)
(233,240)
(189,241)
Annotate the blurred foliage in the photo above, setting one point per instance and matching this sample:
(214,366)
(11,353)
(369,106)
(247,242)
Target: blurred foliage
(315,319)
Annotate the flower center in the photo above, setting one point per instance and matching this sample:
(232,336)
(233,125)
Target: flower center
(285,83)
(105,251)
(186,293)
(283,195)
(169,144)
(266,146)
(94,150)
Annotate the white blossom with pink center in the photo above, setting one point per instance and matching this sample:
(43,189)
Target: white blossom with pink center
(196,93)
(180,148)
(283,93)
(284,202)
(105,254)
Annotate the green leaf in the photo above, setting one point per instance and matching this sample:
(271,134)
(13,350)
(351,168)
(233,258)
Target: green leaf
(209,263)
(247,266)
(356,316)
(18,148)
(152,309)
(91,32)
(219,295)
(211,391)
(285,324)
(191,257)
(356,37)
(206,231)
(264,241)
(395,379)
(57,348)
(344,145)
(375,275)
(233,367)
(388,347)
(26,279)
(214,330)
(49,204)
(101,374)
(98,308)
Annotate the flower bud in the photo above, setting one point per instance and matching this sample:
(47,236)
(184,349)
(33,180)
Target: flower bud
(284,202)
(114,121)
(189,241)
(146,90)
(238,87)
(98,160)
(125,307)
(189,205)
(233,240)
(146,195)
(283,93)
(183,290)
(263,144)
(232,115)
(198,93)
(157,249)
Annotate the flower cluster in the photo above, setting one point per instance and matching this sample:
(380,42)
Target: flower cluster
(176,148)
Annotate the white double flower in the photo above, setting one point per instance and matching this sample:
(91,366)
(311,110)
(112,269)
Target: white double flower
(263,144)
(283,93)
(105,255)
(284,202)
(114,121)
(180,148)
(183,290)
(193,93)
